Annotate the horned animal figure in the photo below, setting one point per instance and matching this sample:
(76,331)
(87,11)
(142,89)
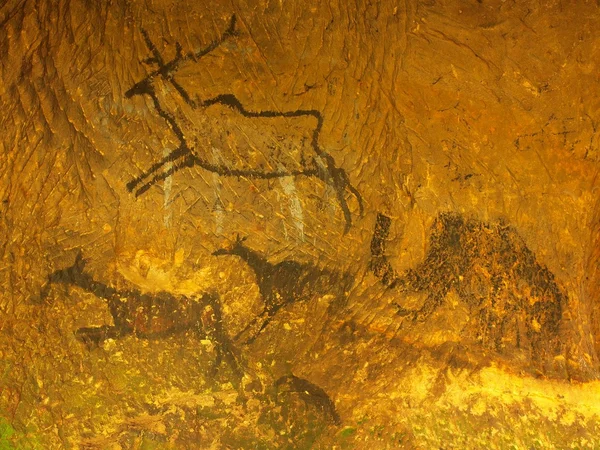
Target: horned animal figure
(149,316)
(283,148)
(284,283)
(491,268)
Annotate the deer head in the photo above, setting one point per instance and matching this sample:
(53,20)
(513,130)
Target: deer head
(234,249)
(67,275)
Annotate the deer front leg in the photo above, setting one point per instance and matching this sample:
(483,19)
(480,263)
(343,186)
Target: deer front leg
(212,322)
(500,332)
(432,302)
(270,314)
(250,325)
(170,158)
(265,317)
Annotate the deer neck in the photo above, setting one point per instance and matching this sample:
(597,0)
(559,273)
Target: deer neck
(256,262)
(88,284)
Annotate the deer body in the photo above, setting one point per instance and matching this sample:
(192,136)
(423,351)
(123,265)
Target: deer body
(265,144)
(491,268)
(149,316)
(284,283)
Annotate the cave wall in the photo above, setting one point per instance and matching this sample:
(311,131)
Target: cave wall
(485,109)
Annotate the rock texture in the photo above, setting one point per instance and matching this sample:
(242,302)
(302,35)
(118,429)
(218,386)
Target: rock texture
(414,184)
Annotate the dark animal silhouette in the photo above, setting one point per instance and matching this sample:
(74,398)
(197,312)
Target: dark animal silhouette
(150,316)
(491,268)
(285,282)
(319,164)
(310,393)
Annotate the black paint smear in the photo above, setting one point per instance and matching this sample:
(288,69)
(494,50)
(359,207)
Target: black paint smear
(330,174)
(150,316)
(490,267)
(379,264)
(285,283)
(310,394)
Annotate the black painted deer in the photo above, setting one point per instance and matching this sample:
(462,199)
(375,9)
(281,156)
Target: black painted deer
(491,268)
(149,316)
(287,141)
(285,282)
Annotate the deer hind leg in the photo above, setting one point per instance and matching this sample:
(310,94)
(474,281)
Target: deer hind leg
(338,179)
(538,328)
(535,337)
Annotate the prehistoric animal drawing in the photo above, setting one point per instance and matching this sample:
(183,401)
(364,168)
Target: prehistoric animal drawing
(310,393)
(491,268)
(150,316)
(285,283)
(286,154)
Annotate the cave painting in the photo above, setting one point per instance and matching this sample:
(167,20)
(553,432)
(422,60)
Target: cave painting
(149,316)
(512,296)
(160,315)
(463,318)
(276,146)
(285,283)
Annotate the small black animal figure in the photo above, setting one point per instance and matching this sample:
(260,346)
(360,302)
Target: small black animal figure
(310,393)
(284,283)
(149,316)
(491,268)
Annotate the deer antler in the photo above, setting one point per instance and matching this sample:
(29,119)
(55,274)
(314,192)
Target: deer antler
(231,31)
(238,239)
